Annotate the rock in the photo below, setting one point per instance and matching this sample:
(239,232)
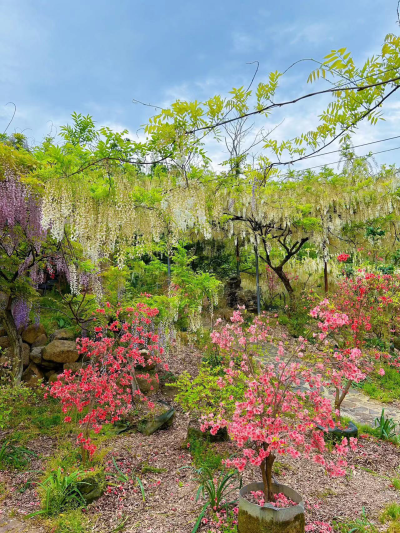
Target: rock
(231,290)
(194,431)
(148,386)
(25,354)
(40,341)
(63,335)
(32,332)
(92,486)
(151,423)
(50,365)
(150,365)
(32,375)
(61,352)
(36,355)
(51,376)
(396,343)
(5,342)
(248,298)
(75,367)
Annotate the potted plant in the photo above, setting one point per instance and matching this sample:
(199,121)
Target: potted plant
(279,414)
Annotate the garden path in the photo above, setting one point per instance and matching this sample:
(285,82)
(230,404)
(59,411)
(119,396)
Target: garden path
(356,405)
(12,525)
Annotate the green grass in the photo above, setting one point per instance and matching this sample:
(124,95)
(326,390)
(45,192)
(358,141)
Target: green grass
(384,388)
(205,454)
(359,525)
(396,482)
(12,456)
(390,513)
(70,522)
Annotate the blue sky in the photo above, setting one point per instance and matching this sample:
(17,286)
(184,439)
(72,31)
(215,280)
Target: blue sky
(93,56)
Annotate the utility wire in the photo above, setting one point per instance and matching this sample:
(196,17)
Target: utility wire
(356,146)
(341,160)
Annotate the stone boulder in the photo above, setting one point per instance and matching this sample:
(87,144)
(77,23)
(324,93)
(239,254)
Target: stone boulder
(63,335)
(40,341)
(148,386)
(149,363)
(60,352)
(36,355)
(75,367)
(248,298)
(25,354)
(32,375)
(161,418)
(4,342)
(32,332)
(51,376)
(92,486)
(232,288)
(396,343)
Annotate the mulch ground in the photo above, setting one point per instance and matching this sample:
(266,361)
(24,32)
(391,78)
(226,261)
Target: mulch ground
(170,505)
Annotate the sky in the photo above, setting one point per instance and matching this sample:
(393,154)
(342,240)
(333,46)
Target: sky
(94,57)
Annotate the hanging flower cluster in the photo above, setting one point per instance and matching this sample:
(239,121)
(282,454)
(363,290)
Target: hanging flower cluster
(114,221)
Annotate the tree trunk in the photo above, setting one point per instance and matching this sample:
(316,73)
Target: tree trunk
(266,471)
(284,279)
(258,282)
(339,397)
(237,257)
(326,277)
(169,269)
(16,361)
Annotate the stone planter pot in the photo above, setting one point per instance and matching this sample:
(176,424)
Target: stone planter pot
(269,519)
(338,434)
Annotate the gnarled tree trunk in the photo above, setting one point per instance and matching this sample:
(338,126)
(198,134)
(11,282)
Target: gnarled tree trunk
(266,471)
(15,349)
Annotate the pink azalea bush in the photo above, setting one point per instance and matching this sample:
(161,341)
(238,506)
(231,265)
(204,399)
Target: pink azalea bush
(361,306)
(282,404)
(106,387)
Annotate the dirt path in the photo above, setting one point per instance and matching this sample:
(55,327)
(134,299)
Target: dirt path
(12,525)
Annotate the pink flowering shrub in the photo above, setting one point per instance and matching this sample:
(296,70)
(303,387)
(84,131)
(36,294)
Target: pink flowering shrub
(359,307)
(106,387)
(343,258)
(282,403)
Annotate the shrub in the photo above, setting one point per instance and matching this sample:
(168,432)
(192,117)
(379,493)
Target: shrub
(274,417)
(106,388)
(60,492)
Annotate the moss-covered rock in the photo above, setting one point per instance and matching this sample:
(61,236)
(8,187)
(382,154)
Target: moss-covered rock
(92,486)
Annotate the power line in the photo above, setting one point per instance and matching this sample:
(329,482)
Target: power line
(341,160)
(356,146)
